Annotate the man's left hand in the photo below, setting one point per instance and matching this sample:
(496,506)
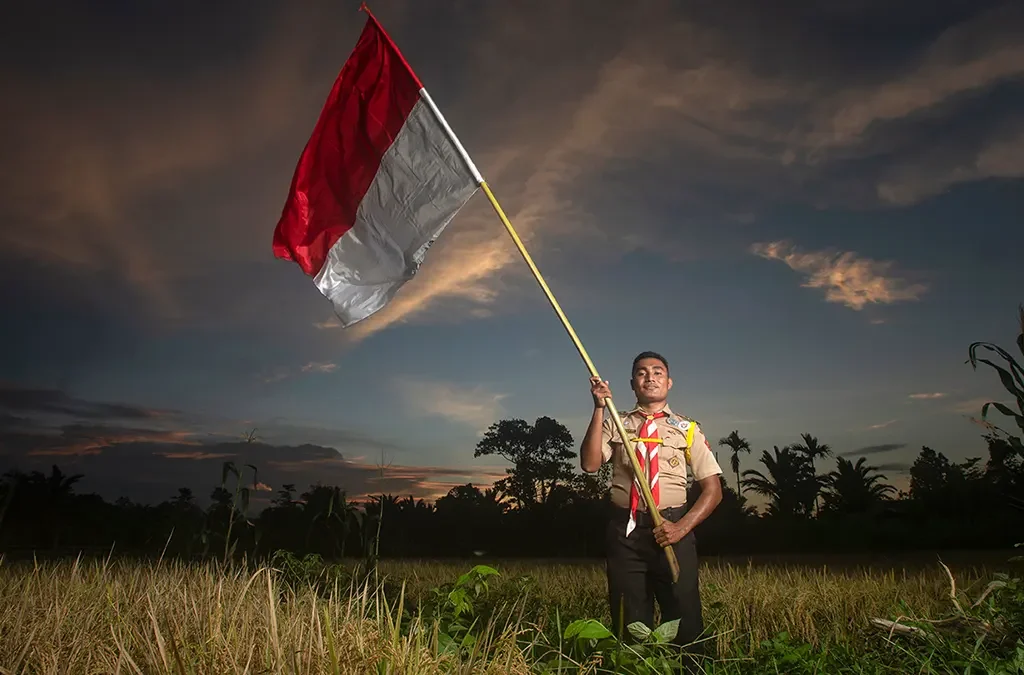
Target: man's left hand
(668,533)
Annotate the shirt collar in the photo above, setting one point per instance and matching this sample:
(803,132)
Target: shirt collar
(637,410)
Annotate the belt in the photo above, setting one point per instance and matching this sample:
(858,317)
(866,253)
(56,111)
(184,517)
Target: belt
(643,518)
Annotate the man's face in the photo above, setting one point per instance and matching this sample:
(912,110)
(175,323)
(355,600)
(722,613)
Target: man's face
(650,382)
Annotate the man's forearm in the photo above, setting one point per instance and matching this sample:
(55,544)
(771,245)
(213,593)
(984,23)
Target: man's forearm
(590,450)
(710,498)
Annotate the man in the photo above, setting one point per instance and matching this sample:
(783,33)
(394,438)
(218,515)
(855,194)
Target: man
(637,568)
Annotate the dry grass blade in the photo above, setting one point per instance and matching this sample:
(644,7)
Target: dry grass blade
(156,634)
(992,586)
(124,652)
(892,627)
(952,590)
(275,638)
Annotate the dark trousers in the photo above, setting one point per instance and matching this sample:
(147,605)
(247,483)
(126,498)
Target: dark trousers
(638,574)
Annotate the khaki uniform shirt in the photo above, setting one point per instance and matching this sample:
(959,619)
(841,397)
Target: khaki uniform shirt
(671,457)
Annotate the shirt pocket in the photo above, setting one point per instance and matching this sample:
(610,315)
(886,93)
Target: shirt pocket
(618,452)
(673,452)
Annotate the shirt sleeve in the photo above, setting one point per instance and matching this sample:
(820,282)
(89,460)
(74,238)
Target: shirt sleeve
(702,459)
(607,433)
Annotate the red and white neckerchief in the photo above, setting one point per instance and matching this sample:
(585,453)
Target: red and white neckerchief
(647,453)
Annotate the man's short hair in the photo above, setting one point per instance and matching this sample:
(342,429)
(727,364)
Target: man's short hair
(649,355)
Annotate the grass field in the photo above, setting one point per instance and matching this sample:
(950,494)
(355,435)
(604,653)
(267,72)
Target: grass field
(146,617)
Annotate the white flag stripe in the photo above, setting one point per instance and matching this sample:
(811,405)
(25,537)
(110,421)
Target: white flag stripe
(421,184)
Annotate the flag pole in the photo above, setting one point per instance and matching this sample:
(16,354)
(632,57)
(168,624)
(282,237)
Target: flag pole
(638,471)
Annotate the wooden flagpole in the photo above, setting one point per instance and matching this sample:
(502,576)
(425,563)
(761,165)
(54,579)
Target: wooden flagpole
(638,471)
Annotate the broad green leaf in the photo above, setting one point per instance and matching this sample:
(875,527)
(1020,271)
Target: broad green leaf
(484,570)
(667,631)
(1019,419)
(1018,371)
(587,629)
(573,628)
(1007,380)
(445,644)
(639,630)
(594,630)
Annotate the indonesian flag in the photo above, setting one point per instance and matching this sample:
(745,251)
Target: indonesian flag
(380,178)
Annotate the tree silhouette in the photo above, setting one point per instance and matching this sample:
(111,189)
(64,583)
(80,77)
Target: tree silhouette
(1005,470)
(790,485)
(944,487)
(812,449)
(542,456)
(854,488)
(542,508)
(330,516)
(47,497)
(737,444)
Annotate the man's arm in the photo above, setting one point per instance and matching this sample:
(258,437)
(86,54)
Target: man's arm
(591,455)
(706,471)
(669,533)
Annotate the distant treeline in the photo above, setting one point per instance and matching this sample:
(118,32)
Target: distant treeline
(544,507)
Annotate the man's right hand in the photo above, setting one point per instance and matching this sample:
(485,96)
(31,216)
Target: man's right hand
(600,391)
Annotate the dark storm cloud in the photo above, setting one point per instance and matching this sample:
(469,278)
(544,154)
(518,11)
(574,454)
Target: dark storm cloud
(873,450)
(52,401)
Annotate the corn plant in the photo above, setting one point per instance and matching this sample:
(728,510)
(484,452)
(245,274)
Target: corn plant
(1012,378)
(239,502)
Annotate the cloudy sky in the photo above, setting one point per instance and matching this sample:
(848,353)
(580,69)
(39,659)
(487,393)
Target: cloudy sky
(822,203)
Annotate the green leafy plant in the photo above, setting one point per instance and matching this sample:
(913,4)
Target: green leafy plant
(590,641)
(239,500)
(1012,378)
(308,572)
(454,608)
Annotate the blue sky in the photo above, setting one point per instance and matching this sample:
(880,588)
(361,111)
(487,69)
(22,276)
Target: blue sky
(824,206)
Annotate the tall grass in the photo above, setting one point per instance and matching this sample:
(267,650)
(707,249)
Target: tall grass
(169,617)
(125,617)
(743,604)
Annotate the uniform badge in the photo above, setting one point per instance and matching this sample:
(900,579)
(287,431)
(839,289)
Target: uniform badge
(682,425)
(674,461)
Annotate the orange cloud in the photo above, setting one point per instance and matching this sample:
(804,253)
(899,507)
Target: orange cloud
(195,455)
(97,439)
(848,279)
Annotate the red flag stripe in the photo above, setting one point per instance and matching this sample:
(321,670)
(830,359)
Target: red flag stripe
(366,109)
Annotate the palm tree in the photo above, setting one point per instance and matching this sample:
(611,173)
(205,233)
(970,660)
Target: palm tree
(812,449)
(737,445)
(854,488)
(57,490)
(328,505)
(789,481)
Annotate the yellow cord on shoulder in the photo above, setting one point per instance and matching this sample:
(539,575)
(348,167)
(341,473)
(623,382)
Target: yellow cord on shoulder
(689,442)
